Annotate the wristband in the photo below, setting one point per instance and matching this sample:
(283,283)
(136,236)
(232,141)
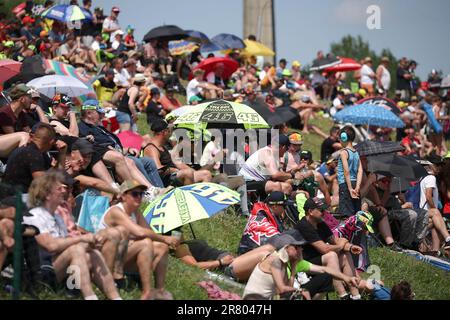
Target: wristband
(220,263)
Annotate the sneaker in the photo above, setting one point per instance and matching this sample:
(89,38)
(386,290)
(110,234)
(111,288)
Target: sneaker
(151,194)
(346,297)
(395,247)
(447,245)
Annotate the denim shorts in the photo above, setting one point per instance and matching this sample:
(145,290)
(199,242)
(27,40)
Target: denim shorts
(123,117)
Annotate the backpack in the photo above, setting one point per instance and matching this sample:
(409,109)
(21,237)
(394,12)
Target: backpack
(413,195)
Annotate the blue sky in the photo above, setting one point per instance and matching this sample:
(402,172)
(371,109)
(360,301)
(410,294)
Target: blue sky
(417,29)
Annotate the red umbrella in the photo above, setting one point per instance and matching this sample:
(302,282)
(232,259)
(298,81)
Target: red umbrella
(346,64)
(8,69)
(208,65)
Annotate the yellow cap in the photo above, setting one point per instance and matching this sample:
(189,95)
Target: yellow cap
(296,64)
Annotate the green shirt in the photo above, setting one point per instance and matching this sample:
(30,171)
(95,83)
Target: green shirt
(302,266)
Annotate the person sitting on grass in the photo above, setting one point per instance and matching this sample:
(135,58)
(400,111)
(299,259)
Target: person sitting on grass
(7,215)
(46,193)
(273,275)
(324,248)
(147,251)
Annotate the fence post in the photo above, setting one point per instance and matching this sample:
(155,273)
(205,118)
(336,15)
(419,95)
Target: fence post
(17,264)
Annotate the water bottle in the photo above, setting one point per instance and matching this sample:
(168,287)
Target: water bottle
(224,279)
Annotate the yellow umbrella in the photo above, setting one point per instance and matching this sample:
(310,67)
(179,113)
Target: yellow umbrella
(253,48)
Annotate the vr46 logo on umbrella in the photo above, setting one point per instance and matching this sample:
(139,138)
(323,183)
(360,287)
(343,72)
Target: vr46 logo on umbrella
(217,116)
(219,196)
(248,117)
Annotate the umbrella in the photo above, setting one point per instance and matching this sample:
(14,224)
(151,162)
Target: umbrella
(253,48)
(392,165)
(221,112)
(386,103)
(369,114)
(372,148)
(346,64)
(50,85)
(32,68)
(167,33)
(273,116)
(211,47)
(209,64)
(188,204)
(67,13)
(228,41)
(445,84)
(8,69)
(64,69)
(180,47)
(197,36)
(320,64)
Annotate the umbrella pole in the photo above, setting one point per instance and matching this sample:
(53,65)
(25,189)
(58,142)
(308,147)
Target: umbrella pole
(192,230)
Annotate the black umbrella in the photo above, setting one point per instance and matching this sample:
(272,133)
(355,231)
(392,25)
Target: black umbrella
(320,64)
(392,165)
(274,116)
(371,148)
(32,68)
(167,33)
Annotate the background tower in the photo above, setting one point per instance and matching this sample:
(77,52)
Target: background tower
(259,20)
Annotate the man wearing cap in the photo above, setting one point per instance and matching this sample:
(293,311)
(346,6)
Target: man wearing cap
(262,169)
(324,248)
(368,76)
(12,116)
(266,221)
(147,251)
(63,119)
(118,45)
(107,146)
(170,171)
(111,23)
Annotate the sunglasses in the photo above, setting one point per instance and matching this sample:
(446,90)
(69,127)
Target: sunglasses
(137,194)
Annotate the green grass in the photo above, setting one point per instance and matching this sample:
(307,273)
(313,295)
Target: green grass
(224,231)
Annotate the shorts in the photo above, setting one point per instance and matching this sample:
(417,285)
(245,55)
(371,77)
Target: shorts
(319,283)
(258,186)
(347,205)
(99,153)
(229,272)
(123,117)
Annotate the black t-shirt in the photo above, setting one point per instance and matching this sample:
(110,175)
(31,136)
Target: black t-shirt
(402,83)
(201,251)
(310,234)
(21,165)
(326,150)
(153,109)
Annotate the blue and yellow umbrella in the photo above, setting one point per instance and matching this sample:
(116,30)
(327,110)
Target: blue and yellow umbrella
(188,204)
(67,13)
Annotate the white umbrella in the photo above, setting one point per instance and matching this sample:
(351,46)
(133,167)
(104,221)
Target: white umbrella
(52,84)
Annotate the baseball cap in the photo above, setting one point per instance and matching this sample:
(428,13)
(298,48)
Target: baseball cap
(115,9)
(194,99)
(286,73)
(306,155)
(92,105)
(283,140)
(366,218)
(314,203)
(27,19)
(154,91)
(128,185)
(296,138)
(276,197)
(19,90)
(84,146)
(159,125)
(296,63)
(285,239)
(62,100)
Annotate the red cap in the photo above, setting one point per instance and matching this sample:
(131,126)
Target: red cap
(27,19)
(115,9)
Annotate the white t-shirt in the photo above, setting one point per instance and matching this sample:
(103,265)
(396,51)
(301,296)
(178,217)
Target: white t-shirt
(121,78)
(385,78)
(428,182)
(192,89)
(46,222)
(210,151)
(95,46)
(260,165)
(111,24)
(365,72)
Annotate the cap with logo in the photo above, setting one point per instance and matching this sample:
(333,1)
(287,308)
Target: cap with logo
(276,197)
(314,203)
(366,218)
(159,125)
(92,105)
(62,100)
(306,155)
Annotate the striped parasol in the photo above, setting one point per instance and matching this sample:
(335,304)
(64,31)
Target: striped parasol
(61,68)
